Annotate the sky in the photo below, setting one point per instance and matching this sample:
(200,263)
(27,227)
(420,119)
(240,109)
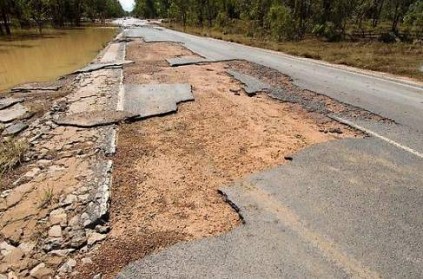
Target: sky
(127,5)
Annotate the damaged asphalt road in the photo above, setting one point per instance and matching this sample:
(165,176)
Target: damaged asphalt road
(339,210)
(398,100)
(348,208)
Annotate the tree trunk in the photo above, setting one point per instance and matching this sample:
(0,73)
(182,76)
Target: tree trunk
(395,19)
(1,30)
(6,22)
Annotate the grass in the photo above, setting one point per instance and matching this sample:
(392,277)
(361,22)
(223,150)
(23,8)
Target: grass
(403,59)
(46,198)
(11,154)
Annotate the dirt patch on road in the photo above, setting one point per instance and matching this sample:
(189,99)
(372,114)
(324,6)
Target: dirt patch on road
(168,169)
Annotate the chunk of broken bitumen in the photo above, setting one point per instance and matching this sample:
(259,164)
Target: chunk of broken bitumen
(8,102)
(155,99)
(100,66)
(185,60)
(14,129)
(94,118)
(34,87)
(251,84)
(12,113)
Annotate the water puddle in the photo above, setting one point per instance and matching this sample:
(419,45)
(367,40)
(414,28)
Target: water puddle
(33,58)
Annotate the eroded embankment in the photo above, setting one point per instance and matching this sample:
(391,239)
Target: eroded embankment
(168,169)
(52,206)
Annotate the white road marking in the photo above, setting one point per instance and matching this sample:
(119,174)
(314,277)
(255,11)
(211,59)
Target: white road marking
(119,105)
(370,132)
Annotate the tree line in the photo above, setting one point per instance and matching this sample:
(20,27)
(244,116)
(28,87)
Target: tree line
(292,19)
(57,13)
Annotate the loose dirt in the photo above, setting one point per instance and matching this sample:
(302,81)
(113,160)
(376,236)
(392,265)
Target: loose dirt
(168,169)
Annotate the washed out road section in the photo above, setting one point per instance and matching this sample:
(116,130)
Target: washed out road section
(392,98)
(313,218)
(168,169)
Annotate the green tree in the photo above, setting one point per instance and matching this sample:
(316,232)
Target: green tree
(414,17)
(282,25)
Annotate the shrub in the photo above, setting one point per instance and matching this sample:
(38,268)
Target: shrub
(281,23)
(11,154)
(328,31)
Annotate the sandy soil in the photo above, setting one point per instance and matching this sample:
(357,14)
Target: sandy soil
(168,169)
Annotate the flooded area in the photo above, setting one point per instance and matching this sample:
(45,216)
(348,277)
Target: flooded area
(42,58)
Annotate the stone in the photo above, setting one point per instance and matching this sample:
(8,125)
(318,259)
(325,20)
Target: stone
(13,259)
(86,261)
(70,199)
(27,247)
(335,131)
(12,113)
(93,238)
(61,253)
(95,118)
(102,229)
(14,129)
(2,276)
(8,102)
(84,198)
(78,239)
(58,217)
(55,231)
(5,193)
(12,275)
(74,221)
(41,271)
(71,262)
(251,85)
(149,100)
(6,248)
(68,266)
(98,276)
(32,173)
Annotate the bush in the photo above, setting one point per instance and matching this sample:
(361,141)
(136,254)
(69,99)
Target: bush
(388,38)
(327,31)
(414,17)
(222,19)
(281,23)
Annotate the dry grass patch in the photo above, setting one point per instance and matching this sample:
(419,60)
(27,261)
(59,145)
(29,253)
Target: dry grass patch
(11,154)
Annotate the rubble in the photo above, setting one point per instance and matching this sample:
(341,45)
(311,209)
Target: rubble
(99,66)
(12,113)
(14,129)
(54,212)
(95,118)
(251,85)
(7,102)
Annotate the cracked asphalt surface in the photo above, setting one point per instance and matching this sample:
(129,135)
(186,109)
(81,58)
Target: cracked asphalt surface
(339,210)
(344,209)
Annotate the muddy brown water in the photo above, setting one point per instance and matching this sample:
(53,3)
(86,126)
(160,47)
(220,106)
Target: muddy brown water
(32,58)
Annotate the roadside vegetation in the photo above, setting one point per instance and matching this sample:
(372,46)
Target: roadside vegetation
(11,155)
(17,15)
(381,35)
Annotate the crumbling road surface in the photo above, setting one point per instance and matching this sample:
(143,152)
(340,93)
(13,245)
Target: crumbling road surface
(173,156)
(343,208)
